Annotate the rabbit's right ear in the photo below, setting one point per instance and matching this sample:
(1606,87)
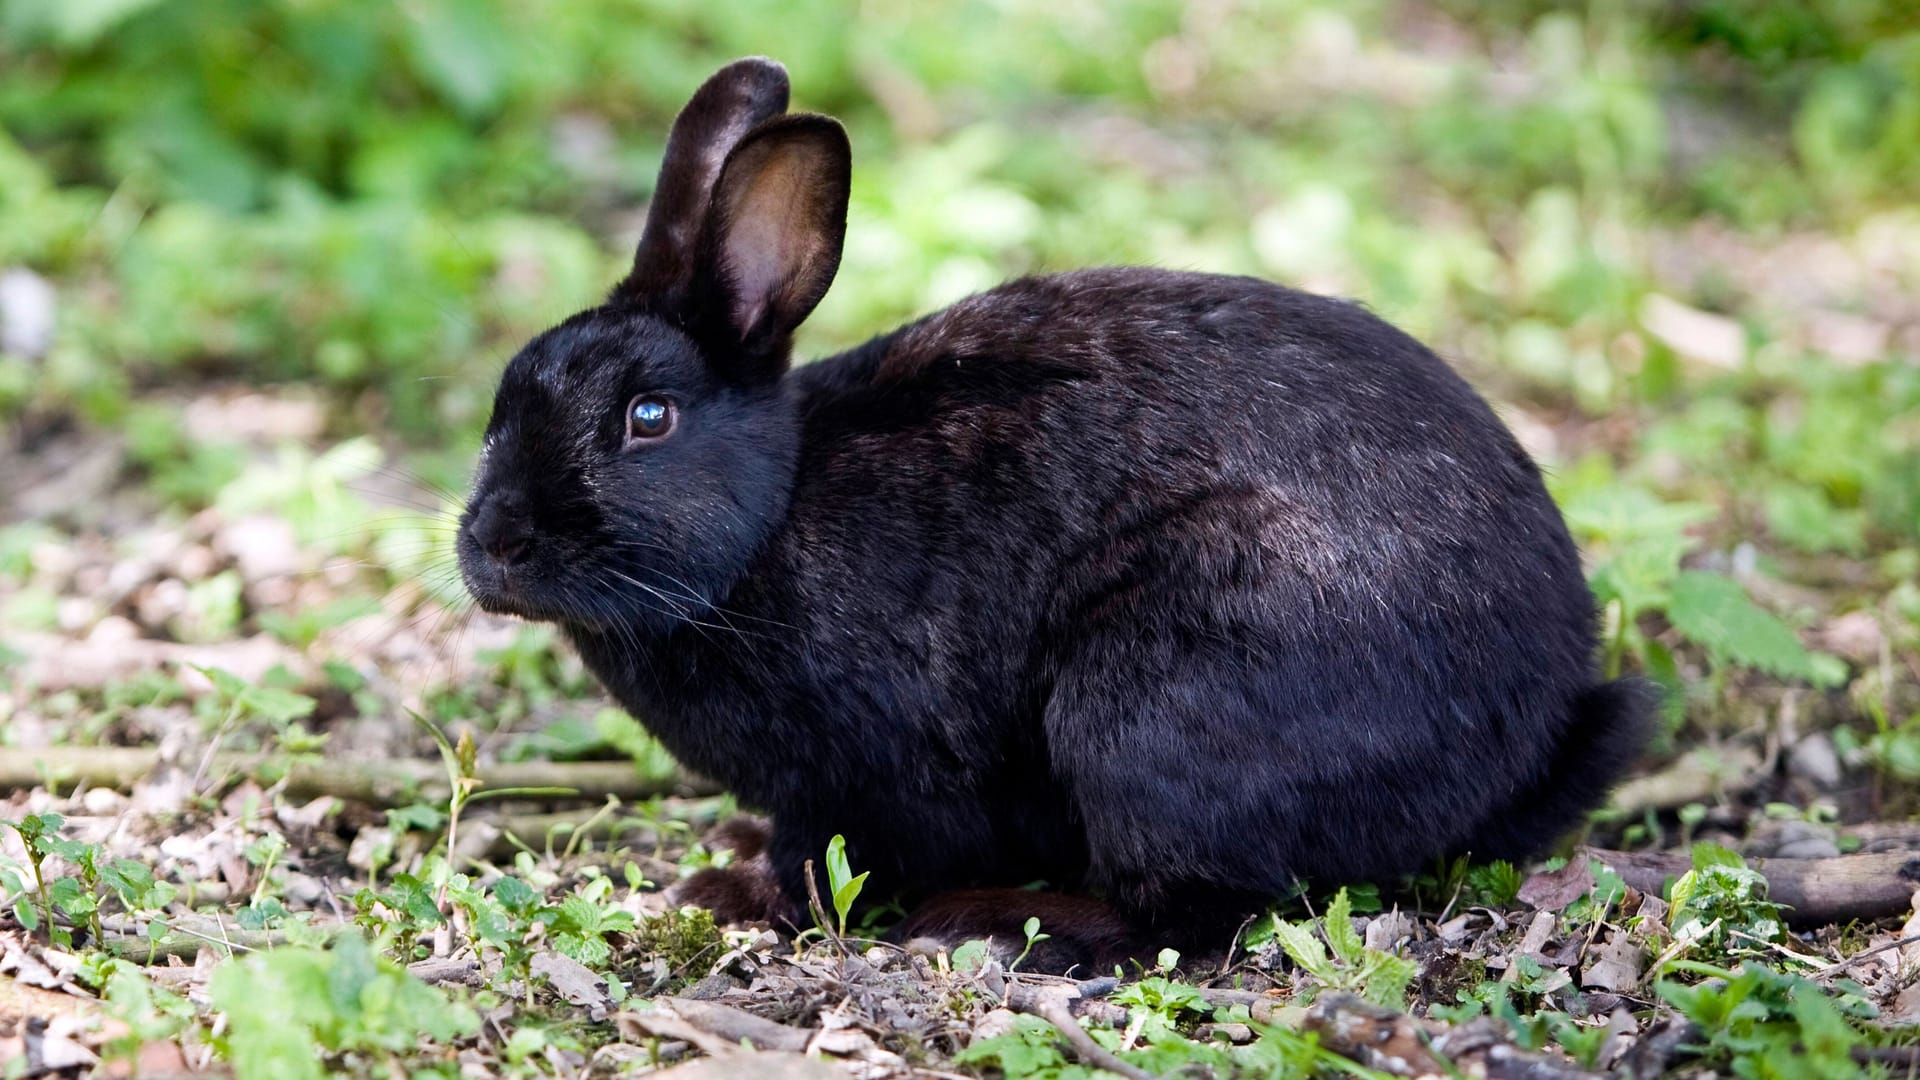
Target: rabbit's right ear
(731,103)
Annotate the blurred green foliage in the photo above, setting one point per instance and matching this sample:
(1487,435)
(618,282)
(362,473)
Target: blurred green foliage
(1592,208)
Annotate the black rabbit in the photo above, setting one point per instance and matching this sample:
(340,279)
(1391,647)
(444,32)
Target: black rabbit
(1167,588)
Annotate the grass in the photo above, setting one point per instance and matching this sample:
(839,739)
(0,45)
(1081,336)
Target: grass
(1673,242)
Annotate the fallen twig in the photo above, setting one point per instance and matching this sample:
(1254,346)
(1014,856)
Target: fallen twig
(380,783)
(1902,1060)
(511,831)
(1846,962)
(1701,775)
(186,936)
(1054,1011)
(1259,1006)
(1815,891)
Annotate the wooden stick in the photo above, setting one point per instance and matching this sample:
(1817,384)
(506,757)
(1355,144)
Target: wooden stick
(594,824)
(1816,891)
(1886,946)
(188,935)
(1900,1060)
(1701,775)
(1053,1011)
(379,783)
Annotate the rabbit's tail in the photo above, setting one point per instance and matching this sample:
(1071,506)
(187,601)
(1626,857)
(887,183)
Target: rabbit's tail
(1610,725)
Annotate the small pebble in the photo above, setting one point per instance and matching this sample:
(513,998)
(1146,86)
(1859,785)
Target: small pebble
(75,613)
(54,562)
(112,630)
(262,547)
(162,603)
(27,313)
(1813,759)
(102,802)
(196,562)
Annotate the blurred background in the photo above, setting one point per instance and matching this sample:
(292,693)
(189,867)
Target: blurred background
(260,263)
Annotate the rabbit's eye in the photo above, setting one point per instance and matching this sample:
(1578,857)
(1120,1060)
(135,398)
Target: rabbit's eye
(649,417)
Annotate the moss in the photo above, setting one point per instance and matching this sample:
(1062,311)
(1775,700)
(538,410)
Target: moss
(679,937)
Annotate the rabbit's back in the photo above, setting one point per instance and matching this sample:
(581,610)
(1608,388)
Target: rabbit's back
(1298,441)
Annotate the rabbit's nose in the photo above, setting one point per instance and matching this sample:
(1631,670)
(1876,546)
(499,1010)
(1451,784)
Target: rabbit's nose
(502,532)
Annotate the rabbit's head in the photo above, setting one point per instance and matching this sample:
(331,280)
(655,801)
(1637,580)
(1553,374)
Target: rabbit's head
(640,452)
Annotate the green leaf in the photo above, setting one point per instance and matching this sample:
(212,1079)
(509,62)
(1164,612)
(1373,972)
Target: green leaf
(1715,612)
(1615,514)
(970,955)
(1706,854)
(514,894)
(838,871)
(1384,978)
(412,896)
(579,913)
(1297,940)
(229,685)
(845,885)
(1346,944)
(590,949)
(1030,1049)
(844,896)
(275,706)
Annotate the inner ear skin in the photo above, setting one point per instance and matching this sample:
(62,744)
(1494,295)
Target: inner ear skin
(773,243)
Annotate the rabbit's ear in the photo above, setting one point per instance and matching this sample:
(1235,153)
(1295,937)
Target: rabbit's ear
(727,106)
(773,239)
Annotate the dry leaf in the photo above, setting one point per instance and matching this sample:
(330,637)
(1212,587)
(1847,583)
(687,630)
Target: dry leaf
(575,982)
(1616,965)
(1554,891)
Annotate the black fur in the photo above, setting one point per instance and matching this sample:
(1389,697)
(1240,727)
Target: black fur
(1170,587)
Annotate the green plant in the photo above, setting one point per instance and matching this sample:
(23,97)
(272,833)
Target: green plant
(289,1010)
(235,702)
(1464,882)
(1641,540)
(1720,906)
(844,884)
(1350,966)
(678,937)
(1159,1005)
(149,1013)
(1760,1023)
(578,926)
(1034,937)
(57,902)
(1715,611)
(1030,1050)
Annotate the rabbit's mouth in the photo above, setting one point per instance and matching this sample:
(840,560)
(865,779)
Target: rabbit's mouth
(493,590)
(503,586)
(520,590)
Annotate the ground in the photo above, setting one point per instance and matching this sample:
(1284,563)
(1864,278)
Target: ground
(278,802)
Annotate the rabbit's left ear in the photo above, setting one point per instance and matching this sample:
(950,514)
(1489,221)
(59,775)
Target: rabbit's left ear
(720,114)
(773,240)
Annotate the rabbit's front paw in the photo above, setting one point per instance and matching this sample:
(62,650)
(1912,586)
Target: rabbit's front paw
(744,892)
(1078,934)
